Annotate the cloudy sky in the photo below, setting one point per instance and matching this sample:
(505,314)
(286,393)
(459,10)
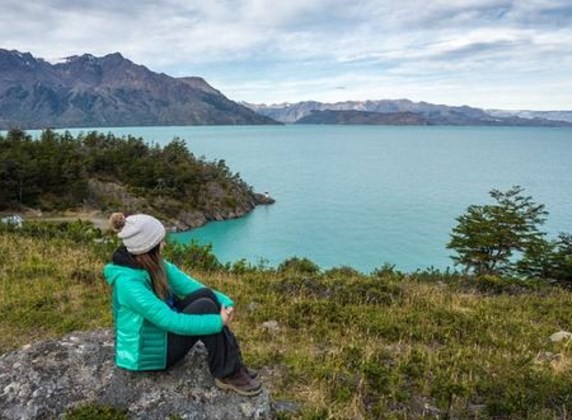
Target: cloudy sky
(487,53)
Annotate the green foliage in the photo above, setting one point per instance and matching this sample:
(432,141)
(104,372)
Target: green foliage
(48,173)
(242,266)
(549,260)
(387,270)
(299,265)
(52,172)
(193,255)
(95,412)
(342,271)
(77,231)
(563,258)
(486,237)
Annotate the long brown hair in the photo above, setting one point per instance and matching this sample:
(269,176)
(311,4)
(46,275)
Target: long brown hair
(153,263)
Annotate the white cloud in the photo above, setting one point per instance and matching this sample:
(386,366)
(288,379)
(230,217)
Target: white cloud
(259,49)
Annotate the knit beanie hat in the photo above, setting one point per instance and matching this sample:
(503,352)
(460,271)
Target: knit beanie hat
(139,233)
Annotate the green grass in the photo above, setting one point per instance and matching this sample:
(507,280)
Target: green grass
(95,412)
(349,345)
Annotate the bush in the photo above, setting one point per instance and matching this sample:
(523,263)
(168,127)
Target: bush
(193,255)
(243,266)
(299,265)
(387,270)
(342,271)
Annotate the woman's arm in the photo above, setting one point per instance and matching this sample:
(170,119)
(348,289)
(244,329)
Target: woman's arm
(134,295)
(183,284)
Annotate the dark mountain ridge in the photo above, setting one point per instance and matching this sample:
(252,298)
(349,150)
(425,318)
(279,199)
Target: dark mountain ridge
(362,117)
(398,111)
(89,91)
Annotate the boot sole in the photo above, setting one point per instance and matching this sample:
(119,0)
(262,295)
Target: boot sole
(230,387)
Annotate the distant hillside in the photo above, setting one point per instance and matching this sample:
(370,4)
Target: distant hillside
(88,91)
(426,113)
(101,172)
(362,117)
(548,115)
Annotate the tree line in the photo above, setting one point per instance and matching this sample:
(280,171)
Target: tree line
(52,172)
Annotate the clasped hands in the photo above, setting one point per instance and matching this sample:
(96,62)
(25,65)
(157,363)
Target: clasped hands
(227,315)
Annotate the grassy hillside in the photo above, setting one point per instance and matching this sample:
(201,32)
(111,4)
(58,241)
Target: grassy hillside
(347,345)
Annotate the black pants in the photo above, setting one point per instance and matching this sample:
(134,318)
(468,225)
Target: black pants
(224,353)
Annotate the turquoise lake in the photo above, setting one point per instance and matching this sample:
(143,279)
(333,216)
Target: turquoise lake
(366,195)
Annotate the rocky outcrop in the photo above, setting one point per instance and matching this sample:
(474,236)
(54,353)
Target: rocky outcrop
(46,379)
(110,195)
(218,202)
(263,199)
(226,201)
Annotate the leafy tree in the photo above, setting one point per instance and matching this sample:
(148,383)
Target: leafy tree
(486,237)
(563,257)
(17,167)
(549,259)
(538,260)
(193,255)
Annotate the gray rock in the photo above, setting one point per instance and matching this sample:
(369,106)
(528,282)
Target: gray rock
(271,325)
(44,379)
(286,407)
(252,306)
(263,199)
(560,335)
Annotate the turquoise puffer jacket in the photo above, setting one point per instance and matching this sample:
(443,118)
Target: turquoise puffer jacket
(142,320)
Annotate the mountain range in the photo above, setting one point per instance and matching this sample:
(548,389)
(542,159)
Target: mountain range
(89,91)
(108,91)
(549,115)
(405,112)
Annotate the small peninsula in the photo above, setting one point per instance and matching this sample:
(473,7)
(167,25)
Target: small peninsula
(101,173)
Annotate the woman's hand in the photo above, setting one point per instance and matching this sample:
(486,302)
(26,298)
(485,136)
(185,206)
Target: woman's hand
(232,313)
(227,315)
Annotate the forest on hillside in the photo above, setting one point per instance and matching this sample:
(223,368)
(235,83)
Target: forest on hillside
(53,171)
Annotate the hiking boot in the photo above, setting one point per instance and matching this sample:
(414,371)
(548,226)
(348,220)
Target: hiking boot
(240,382)
(250,372)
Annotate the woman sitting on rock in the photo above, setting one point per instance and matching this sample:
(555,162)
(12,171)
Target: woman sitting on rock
(160,312)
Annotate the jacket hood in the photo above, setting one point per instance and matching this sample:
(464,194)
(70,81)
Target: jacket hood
(122,263)
(122,257)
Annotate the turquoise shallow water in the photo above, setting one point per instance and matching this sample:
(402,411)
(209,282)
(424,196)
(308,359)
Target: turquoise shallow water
(365,195)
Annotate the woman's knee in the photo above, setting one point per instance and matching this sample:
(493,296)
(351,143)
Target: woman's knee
(202,305)
(199,294)
(205,292)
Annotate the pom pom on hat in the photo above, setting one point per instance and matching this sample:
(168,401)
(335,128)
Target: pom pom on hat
(140,233)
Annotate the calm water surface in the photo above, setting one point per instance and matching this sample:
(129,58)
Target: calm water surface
(366,195)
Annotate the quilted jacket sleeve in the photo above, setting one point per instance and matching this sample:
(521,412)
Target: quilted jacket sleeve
(183,284)
(134,295)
